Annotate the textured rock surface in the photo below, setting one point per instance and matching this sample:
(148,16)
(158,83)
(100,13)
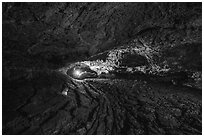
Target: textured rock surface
(147,57)
(59,105)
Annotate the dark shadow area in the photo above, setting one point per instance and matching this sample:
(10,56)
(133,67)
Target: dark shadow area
(101,68)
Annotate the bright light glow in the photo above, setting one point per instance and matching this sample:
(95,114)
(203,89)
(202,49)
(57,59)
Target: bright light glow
(77,73)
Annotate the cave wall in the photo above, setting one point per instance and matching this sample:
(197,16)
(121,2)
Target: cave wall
(48,35)
(41,37)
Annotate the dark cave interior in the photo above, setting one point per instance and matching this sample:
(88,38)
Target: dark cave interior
(140,68)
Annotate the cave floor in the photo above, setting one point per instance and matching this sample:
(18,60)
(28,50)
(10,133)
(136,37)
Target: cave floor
(55,104)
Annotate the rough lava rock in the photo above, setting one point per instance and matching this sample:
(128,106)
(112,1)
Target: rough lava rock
(141,64)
